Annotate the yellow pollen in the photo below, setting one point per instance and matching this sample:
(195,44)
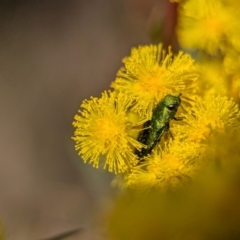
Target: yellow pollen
(172,162)
(108,128)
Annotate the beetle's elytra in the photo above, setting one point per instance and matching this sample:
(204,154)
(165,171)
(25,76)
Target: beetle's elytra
(154,129)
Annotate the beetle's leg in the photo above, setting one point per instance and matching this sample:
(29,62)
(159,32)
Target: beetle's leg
(170,134)
(178,118)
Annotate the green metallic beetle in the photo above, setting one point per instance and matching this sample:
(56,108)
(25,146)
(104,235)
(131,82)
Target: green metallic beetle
(154,129)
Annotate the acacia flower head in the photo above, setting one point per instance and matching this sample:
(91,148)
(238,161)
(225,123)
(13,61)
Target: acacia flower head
(209,115)
(102,129)
(150,73)
(206,25)
(167,167)
(212,79)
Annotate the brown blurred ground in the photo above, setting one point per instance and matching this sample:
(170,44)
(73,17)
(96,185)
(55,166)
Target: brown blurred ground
(53,54)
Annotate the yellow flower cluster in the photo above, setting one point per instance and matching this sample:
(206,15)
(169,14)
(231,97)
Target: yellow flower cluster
(168,167)
(178,162)
(192,180)
(107,128)
(208,24)
(211,29)
(208,116)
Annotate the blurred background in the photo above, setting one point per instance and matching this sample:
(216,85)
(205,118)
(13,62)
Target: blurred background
(54,54)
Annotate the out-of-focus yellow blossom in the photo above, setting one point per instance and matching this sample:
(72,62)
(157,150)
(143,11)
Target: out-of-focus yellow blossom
(207,25)
(212,79)
(150,73)
(234,87)
(218,76)
(232,62)
(232,68)
(197,211)
(234,34)
(102,129)
(209,115)
(166,168)
(223,149)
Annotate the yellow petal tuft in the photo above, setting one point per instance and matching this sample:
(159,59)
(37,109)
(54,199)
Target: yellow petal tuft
(207,25)
(208,116)
(149,74)
(102,129)
(166,168)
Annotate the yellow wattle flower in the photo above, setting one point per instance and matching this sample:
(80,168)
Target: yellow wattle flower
(212,79)
(206,25)
(150,73)
(166,168)
(102,129)
(210,115)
